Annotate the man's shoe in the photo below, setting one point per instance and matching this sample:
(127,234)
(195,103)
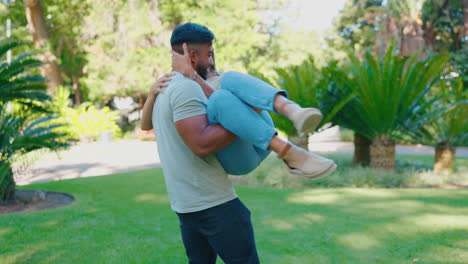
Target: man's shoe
(306,120)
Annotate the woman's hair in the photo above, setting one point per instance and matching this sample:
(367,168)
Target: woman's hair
(190,33)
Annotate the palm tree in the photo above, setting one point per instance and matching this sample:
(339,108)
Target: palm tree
(19,136)
(307,85)
(450,128)
(339,88)
(390,96)
(20,131)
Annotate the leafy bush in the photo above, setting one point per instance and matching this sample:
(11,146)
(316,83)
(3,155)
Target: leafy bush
(84,122)
(412,171)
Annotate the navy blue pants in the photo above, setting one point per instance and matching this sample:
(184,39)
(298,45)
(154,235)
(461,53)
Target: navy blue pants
(224,230)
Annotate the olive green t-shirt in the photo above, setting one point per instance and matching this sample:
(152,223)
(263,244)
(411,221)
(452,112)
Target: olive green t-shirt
(193,183)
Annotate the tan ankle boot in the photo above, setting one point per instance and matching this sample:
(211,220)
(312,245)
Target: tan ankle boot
(312,166)
(306,119)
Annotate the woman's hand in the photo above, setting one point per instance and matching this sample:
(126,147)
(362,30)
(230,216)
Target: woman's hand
(182,63)
(157,87)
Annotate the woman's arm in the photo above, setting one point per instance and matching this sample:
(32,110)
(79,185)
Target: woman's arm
(182,64)
(147,112)
(207,89)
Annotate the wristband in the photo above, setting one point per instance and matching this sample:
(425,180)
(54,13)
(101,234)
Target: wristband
(193,75)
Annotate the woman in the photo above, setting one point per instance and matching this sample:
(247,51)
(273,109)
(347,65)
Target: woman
(261,97)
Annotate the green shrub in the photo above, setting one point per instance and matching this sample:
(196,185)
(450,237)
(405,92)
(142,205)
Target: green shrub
(84,122)
(412,171)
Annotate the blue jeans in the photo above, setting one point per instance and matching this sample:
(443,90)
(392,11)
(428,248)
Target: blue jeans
(225,230)
(230,107)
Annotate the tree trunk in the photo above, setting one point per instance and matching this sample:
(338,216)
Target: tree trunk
(141,103)
(77,90)
(391,32)
(413,40)
(361,150)
(37,26)
(7,183)
(302,142)
(444,157)
(430,38)
(465,19)
(382,153)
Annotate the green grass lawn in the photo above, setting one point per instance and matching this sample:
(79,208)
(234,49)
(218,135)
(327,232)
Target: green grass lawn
(126,218)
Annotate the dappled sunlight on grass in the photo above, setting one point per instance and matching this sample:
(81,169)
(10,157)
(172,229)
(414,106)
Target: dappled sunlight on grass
(294,258)
(358,241)
(438,254)
(24,255)
(92,210)
(314,217)
(400,206)
(313,197)
(436,223)
(462,244)
(377,193)
(152,198)
(6,231)
(54,258)
(52,222)
(294,222)
(279,224)
(130,221)
(325,196)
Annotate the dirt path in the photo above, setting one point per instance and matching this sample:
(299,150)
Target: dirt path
(102,158)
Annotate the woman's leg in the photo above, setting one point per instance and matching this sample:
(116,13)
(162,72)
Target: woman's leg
(239,118)
(260,94)
(251,90)
(242,157)
(251,147)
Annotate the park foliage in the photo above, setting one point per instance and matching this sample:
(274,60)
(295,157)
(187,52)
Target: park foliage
(391,71)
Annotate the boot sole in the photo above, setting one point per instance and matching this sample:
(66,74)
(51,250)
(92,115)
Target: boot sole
(309,123)
(317,176)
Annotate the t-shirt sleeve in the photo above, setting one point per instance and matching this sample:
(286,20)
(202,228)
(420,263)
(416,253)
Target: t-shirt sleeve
(187,100)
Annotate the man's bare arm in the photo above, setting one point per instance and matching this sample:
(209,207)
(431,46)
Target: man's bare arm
(202,138)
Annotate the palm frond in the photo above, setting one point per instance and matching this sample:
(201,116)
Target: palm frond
(8,44)
(11,70)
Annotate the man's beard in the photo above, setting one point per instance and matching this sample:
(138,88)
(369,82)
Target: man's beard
(202,70)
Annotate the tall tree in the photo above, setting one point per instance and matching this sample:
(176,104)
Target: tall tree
(357,25)
(445,24)
(408,13)
(465,18)
(65,20)
(38,28)
(129,47)
(443,21)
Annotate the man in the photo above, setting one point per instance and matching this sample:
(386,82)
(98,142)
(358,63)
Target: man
(213,220)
